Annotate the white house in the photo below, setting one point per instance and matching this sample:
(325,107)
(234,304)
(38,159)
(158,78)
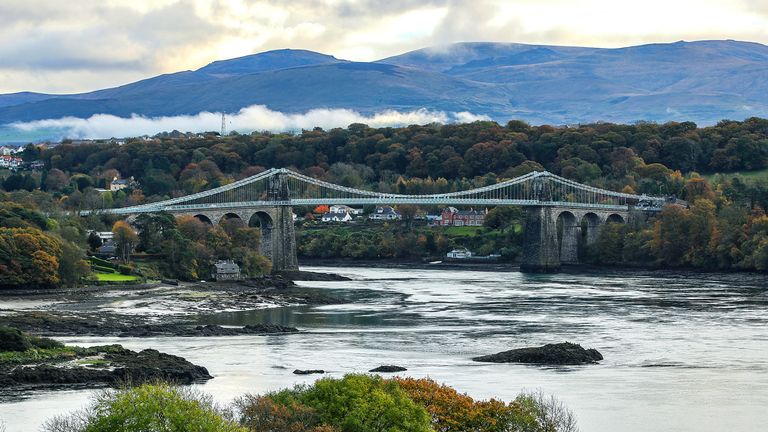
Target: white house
(226,270)
(385,213)
(337,217)
(341,208)
(460,253)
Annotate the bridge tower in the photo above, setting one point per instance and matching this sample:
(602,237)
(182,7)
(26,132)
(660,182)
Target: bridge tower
(281,249)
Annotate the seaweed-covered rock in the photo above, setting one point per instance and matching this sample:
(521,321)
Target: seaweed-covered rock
(102,365)
(388,369)
(565,353)
(308,371)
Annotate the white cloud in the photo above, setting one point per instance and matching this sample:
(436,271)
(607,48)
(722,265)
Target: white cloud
(252,118)
(57,46)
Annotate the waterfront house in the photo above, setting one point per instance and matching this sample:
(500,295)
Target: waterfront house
(226,270)
(459,253)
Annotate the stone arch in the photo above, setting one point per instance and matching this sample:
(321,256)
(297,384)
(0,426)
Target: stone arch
(261,220)
(231,216)
(568,235)
(204,219)
(590,227)
(614,218)
(264,221)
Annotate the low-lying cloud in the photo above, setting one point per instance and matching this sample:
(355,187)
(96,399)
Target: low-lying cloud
(249,119)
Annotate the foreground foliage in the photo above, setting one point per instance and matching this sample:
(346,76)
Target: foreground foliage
(354,403)
(149,407)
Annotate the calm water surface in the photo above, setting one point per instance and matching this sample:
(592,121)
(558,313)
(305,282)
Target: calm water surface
(682,352)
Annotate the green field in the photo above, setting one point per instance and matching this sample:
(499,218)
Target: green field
(115,277)
(753,175)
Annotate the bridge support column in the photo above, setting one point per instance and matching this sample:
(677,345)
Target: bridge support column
(282,250)
(540,246)
(569,246)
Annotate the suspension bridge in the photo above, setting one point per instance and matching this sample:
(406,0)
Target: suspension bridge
(558,210)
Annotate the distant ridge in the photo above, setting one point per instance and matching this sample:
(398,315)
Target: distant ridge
(703,81)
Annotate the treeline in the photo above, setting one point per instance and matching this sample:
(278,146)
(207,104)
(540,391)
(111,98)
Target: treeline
(430,158)
(665,159)
(715,232)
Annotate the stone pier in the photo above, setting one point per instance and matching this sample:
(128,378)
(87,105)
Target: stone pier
(552,235)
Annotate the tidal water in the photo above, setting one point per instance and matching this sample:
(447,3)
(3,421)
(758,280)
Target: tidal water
(683,352)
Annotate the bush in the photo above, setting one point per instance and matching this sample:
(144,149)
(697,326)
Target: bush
(125,270)
(260,413)
(452,411)
(12,339)
(550,413)
(101,262)
(150,407)
(101,269)
(358,403)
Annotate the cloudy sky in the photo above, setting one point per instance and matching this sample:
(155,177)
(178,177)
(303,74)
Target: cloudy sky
(78,45)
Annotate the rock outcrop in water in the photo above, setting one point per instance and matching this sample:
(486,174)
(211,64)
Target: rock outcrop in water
(388,369)
(308,371)
(565,353)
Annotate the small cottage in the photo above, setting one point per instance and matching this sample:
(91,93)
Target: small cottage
(226,270)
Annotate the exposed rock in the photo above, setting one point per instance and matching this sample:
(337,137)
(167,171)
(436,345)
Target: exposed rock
(308,371)
(124,326)
(298,275)
(551,354)
(389,369)
(113,365)
(204,331)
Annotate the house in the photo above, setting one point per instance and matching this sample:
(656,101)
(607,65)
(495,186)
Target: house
(337,217)
(8,150)
(345,209)
(385,213)
(103,235)
(119,184)
(225,270)
(10,162)
(460,253)
(451,216)
(108,248)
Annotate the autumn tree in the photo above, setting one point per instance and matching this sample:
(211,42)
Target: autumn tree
(125,239)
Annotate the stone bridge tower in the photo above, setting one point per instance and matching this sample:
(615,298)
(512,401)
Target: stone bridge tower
(282,250)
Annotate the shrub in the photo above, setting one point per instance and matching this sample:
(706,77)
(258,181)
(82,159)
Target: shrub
(550,413)
(125,270)
(101,262)
(452,411)
(358,403)
(12,339)
(102,269)
(260,413)
(150,407)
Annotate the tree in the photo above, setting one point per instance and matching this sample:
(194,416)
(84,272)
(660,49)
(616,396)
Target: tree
(56,180)
(125,238)
(94,241)
(359,403)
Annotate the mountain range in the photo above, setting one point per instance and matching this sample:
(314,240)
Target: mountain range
(703,81)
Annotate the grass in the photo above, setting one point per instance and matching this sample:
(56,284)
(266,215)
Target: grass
(37,354)
(753,175)
(115,277)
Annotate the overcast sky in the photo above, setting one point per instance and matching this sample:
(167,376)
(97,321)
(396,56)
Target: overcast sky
(79,45)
